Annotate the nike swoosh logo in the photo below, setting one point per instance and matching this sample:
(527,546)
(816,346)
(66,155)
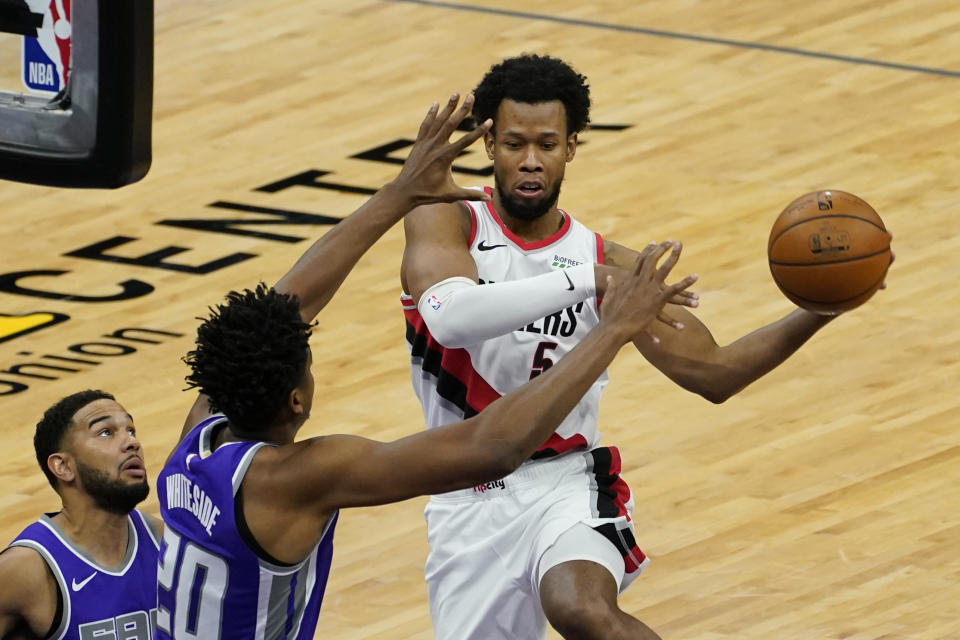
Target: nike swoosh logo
(570,288)
(487,247)
(80,585)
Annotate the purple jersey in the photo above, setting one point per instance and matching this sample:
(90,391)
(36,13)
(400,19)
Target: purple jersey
(214,580)
(107,603)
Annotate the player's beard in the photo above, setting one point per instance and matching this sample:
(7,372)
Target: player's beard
(528,210)
(109,494)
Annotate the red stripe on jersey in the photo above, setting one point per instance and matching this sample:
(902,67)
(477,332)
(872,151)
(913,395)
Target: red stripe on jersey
(601,255)
(633,559)
(618,485)
(520,242)
(473,226)
(557,444)
(457,363)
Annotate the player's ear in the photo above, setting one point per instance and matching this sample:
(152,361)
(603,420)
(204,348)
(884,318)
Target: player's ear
(62,465)
(296,402)
(571,146)
(488,144)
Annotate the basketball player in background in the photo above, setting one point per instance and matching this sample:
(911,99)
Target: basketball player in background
(556,541)
(249,513)
(89,570)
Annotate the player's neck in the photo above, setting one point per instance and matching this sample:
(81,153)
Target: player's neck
(279,435)
(530,230)
(101,534)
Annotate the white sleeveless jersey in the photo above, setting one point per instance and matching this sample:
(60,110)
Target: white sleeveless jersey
(453,384)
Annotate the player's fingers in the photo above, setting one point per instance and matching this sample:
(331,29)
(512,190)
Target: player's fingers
(611,295)
(649,265)
(469,138)
(670,322)
(428,121)
(642,258)
(685,299)
(471,194)
(453,120)
(444,115)
(671,292)
(664,270)
(649,335)
(893,257)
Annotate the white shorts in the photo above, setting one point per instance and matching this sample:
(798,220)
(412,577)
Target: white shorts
(487,544)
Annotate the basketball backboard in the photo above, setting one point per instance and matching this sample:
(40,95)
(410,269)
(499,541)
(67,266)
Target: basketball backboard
(76,91)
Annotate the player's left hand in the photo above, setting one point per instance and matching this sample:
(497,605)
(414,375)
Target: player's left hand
(426,177)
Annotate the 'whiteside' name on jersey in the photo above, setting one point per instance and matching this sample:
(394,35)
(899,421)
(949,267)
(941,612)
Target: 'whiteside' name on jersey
(183,494)
(562,323)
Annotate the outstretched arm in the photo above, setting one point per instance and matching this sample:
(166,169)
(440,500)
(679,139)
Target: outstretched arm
(694,360)
(314,477)
(440,275)
(425,178)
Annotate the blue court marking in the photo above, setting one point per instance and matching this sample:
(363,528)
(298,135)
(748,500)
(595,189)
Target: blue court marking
(676,35)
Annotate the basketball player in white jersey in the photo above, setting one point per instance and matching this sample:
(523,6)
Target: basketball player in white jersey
(256,508)
(553,541)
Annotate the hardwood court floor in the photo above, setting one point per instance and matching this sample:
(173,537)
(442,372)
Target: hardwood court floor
(822,502)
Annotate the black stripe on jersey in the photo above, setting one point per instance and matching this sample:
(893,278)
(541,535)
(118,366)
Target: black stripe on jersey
(606,496)
(622,539)
(448,386)
(544,453)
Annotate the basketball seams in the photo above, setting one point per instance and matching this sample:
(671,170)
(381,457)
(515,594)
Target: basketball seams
(869,290)
(820,264)
(826,216)
(850,258)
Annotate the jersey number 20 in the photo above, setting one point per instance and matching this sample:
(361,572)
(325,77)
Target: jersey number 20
(197,585)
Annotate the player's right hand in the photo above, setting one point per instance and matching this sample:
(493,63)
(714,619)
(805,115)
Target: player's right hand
(632,303)
(426,177)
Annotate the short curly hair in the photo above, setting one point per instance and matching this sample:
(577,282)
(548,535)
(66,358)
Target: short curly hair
(250,354)
(532,79)
(48,438)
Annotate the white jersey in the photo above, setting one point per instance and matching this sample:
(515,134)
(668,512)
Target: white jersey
(454,384)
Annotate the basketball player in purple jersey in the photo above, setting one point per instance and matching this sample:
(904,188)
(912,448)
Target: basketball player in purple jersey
(249,512)
(556,541)
(88,571)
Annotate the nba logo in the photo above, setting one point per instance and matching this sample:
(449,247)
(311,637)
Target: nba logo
(46,58)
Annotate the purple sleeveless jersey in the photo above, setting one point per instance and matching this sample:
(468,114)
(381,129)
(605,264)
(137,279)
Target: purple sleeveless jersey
(214,581)
(99,602)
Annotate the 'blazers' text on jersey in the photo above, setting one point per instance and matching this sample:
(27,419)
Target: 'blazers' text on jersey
(453,384)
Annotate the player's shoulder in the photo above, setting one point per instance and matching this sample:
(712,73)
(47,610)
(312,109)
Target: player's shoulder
(23,570)
(28,589)
(293,466)
(438,215)
(152,524)
(617,255)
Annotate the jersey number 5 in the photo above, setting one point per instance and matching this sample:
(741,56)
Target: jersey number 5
(540,360)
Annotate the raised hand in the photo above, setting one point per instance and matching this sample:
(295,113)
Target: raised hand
(635,301)
(426,177)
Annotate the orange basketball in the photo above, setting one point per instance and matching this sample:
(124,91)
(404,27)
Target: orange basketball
(829,251)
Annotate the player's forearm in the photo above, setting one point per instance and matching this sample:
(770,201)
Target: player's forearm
(759,352)
(512,428)
(319,272)
(460,312)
